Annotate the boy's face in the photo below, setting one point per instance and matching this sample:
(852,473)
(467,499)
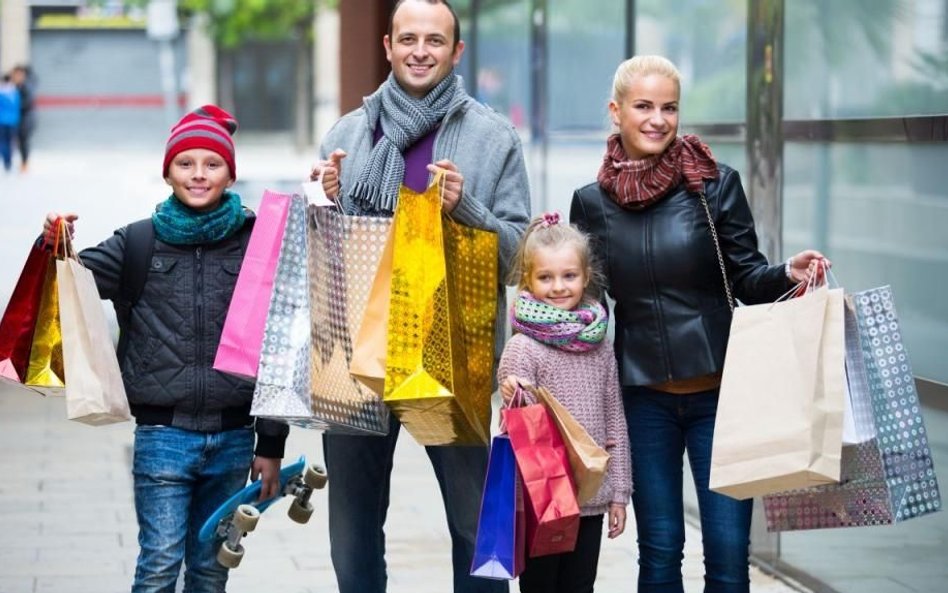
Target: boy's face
(198,178)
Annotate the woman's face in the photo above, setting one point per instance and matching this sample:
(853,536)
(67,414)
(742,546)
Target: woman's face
(647,115)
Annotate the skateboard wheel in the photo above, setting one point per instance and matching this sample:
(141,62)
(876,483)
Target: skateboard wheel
(300,511)
(230,557)
(245,518)
(314,476)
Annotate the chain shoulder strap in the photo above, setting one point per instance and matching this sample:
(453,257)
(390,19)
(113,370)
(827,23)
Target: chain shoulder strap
(717,247)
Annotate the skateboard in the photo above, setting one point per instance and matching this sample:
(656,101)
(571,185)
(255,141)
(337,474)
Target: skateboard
(239,514)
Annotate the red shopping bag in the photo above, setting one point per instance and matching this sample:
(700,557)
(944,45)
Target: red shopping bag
(242,336)
(552,513)
(19,319)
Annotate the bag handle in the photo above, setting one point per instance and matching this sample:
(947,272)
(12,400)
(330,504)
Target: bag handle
(717,248)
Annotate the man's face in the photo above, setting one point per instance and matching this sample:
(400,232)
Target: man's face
(421,47)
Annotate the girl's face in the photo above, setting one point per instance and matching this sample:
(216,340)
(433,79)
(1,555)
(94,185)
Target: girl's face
(198,178)
(647,115)
(557,276)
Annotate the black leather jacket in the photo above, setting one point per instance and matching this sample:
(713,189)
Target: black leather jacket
(671,315)
(173,332)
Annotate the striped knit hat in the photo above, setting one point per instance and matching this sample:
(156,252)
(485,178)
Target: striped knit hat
(207,127)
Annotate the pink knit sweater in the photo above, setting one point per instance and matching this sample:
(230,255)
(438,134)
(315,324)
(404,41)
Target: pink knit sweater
(587,384)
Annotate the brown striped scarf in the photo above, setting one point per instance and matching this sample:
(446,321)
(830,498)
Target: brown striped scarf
(635,184)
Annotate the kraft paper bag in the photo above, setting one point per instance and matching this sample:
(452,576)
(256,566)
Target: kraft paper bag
(586,458)
(95,393)
(368,347)
(780,412)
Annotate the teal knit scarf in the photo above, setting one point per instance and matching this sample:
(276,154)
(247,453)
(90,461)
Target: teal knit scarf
(178,224)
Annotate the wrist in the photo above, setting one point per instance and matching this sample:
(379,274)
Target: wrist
(788,268)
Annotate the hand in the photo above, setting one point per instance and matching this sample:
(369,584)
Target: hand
(453,184)
(268,470)
(616,519)
(49,224)
(508,387)
(807,264)
(331,171)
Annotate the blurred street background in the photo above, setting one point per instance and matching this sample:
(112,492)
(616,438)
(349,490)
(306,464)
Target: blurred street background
(835,114)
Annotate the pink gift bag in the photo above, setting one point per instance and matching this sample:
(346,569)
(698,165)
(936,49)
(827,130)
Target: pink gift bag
(239,350)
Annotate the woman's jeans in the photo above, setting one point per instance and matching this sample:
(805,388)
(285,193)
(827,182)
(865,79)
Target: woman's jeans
(181,477)
(662,427)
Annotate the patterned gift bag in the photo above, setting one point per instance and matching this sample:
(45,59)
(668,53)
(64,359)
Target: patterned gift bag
(889,478)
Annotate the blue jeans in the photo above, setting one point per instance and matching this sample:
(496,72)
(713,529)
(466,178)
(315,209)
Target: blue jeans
(6,145)
(360,469)
(662,427)
(181,477)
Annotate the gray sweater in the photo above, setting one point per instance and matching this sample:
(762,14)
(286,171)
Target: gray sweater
(486,149)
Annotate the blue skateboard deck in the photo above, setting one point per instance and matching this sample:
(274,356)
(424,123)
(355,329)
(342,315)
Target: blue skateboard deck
(249,495)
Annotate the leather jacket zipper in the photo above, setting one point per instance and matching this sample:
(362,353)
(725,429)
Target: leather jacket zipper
(650,266)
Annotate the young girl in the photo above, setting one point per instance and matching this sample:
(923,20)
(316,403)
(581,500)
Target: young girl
(194,440)
(560,344)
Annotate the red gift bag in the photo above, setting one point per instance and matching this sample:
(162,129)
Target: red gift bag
(19,319)
(552,513)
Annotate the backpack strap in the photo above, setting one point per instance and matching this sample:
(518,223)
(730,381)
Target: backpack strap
(139,246)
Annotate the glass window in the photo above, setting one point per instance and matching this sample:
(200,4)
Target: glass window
(584,48)
(880,213)
(708,43)
(503,59)
(865,58)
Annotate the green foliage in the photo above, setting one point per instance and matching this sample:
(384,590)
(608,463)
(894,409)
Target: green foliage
(232,22)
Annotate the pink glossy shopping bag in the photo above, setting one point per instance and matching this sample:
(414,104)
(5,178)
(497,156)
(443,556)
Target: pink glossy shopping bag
(239,350)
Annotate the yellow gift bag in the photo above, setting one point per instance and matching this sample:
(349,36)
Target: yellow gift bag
(442,309)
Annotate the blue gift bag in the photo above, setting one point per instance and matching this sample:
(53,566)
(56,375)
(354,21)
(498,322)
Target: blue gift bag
(498,553)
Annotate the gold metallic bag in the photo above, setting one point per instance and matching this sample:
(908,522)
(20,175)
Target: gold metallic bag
(439,355)
(45,372)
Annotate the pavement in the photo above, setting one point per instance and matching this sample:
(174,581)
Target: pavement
(66,509)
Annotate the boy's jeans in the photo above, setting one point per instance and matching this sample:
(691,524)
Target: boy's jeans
(181,477)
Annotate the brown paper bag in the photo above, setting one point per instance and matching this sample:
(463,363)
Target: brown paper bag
(368,347)
(95,393)
(587,459)
(780,413)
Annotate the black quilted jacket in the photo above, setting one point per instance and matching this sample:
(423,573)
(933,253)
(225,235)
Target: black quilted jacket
(671,315)
(173,331)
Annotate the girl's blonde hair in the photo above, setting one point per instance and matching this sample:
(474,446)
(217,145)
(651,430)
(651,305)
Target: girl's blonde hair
(547,232)
(642,66)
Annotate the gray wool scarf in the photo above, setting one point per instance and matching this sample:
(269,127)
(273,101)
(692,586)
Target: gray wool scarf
(404,120)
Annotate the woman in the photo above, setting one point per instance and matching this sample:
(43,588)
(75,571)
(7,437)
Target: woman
(648,214)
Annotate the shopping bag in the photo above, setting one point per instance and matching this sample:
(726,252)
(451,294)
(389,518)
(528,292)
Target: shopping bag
(586,458)
(95,393)
(242,336)
(45,372)
(442,309)
(368,347)
(889,478)
(780,411)
(552,512)
(19,318)
(344,255)
(499,547)
(282,390)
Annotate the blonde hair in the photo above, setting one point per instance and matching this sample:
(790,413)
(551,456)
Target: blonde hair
(542,233)
(642,66)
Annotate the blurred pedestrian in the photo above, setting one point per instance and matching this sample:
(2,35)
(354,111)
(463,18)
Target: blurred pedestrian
(9,119)
(25,82)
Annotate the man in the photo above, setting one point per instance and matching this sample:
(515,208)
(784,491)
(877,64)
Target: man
(420,119)
(24,81)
